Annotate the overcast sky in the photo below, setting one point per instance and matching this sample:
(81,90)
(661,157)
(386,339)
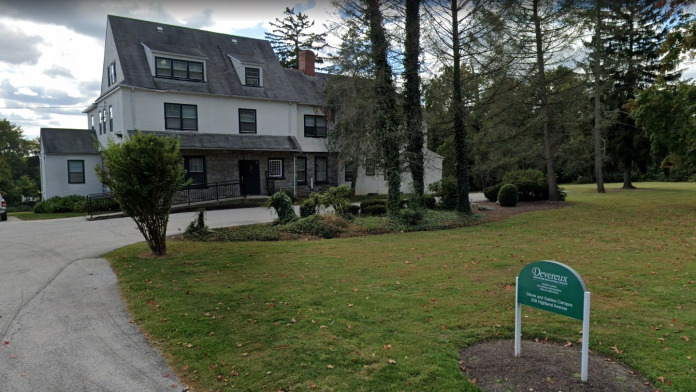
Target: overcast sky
(52,51)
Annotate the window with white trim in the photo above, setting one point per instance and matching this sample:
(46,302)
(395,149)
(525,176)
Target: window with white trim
(111,118)
(101,121)
(275,168)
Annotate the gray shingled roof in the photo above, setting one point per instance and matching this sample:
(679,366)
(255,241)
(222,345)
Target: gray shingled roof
(278,83)
(68,141)
(219,141)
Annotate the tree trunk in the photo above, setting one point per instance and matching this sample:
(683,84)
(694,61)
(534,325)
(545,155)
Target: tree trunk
(598,158)
(545,110)
(386,118)
(628,165)
(412,104)
(460,131)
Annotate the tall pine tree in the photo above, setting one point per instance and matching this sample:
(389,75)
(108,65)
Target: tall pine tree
(637,30)
(291,35)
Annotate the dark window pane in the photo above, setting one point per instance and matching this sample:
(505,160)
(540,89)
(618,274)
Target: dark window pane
(247,121)
(320,169)
(164,67)
(76,172)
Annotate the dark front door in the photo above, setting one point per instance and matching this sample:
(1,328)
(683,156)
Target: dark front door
(251,180)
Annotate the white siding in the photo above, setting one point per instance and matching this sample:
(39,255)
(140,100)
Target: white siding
(54,180)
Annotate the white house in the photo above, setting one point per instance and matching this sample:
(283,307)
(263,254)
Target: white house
(239,115)
(67,161)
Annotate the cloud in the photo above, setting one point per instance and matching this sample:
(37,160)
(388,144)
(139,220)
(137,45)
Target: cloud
(202,20)
(19,48)
(56,71)
(28,96)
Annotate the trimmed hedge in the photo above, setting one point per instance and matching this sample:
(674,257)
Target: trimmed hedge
(508,195)
(57,204)
(491,192)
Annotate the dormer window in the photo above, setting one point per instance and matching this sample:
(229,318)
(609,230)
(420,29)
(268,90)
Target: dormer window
(179,69)
(252,77)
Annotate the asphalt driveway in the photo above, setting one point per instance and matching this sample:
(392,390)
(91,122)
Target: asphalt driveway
(63,325)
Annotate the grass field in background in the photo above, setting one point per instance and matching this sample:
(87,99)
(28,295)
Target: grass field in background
(391,312)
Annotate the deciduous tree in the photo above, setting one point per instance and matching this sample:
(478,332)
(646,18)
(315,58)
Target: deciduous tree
(144,173)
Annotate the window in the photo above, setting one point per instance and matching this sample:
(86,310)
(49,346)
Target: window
(314,126)
(275,168)
(301,170)
(247,120)
(76,172)
(195,170)
(180,117)
(348,177)
(111,72)
(321,165)
(101,121)
(111,119)
(252,77)
(179,69)
(369,169)
(91,121)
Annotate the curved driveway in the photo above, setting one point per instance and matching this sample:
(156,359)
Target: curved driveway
(63,325)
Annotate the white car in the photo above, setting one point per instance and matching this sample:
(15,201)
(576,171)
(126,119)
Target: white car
(3,209)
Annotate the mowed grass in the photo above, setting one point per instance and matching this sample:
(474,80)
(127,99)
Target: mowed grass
(391,312)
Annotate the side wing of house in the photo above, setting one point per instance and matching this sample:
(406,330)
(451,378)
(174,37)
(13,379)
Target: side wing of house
(67,160)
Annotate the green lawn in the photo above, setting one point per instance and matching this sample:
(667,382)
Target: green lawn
(34,216)
(391,312)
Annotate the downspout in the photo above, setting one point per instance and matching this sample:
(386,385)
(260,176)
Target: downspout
(132,109)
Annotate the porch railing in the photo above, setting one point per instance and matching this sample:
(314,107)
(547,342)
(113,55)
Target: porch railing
(104,203)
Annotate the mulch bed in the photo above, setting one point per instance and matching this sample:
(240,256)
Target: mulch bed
(545,367)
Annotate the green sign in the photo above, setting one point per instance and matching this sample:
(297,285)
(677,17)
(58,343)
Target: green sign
(552,286)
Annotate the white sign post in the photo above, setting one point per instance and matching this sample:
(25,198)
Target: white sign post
(557,288)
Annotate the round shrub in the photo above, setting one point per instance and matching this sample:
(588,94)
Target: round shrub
(508,196)
(491,192)
(410,217)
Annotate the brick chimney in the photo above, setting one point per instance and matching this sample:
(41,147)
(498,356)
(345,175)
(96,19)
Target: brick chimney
(307,59)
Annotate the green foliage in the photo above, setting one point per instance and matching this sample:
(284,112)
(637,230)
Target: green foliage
(19,163)
(324,226)
(410,216)
(197,229)
(258,232)
(291,35)
(531,184)
(338,198)
(491,193)
(429,201)
(58,204)
(354,210)
(446,190)
(282,204)
(508,195)
(144,173)
(310,205)
(374,202)
(374,209)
